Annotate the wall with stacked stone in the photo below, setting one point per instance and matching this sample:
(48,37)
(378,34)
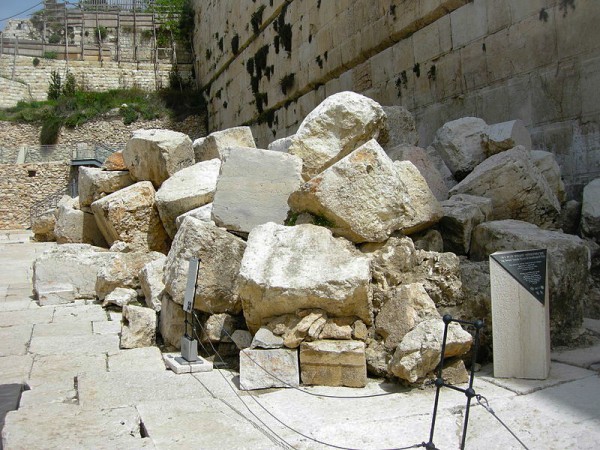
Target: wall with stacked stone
(269,63)
(22,185)
(90,75)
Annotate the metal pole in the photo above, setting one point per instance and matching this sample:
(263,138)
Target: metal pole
(15,51)
(66,40)
(119,37)
(82,37)
(134,34)
(44,33)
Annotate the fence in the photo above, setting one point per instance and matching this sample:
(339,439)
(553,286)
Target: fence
(112,30)
(60,152)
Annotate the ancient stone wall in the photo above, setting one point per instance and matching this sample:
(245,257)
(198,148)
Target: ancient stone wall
(22,185)
(90,75)
(269,63)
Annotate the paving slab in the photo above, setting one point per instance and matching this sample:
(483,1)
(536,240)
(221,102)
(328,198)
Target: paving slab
(205,423)
(92,344)
(14,340)
(561,417)
(106,327)
(70,427)
(592,325)
(59,393)
(15,305)
(117,389)
(15,368)
(580,357)
(62,329)
(136,359)
(559,373)
(27,317)
(79,313)
(63,369)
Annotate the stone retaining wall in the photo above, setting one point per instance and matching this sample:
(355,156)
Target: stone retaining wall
(21,185)
(535,60)
(90,75)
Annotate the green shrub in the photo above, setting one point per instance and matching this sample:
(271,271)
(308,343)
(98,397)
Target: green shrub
(129,114)
(54,39)
(55,87)
(70,85)
(50,55)
(35,62)
(50,130)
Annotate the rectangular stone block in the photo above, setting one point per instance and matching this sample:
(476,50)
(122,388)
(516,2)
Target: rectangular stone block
(333,363)
(55,293)
(264,369)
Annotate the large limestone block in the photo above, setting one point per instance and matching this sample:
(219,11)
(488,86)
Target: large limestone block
(568,265)
(339,125)
(215,144)
(42,227)
(253,188)
(130,215)
(441,166)
(590,211)
(506,135)
(419,352)
(220,255)
(204,213)
(462,213)
(94,183)
(366,197)
(190,188)
(171,322)
(399,128)
(218,328)
(74,226)
(139,327)
(407,306)
(280,145)
(333,363)
(115,162)
(151,281)
(264,369)
(461,145)
(549,168)
(419,157)
(425,210)
(517,188)
(74,265)
(120,297)
(123,270)
(289,268)
(155,155)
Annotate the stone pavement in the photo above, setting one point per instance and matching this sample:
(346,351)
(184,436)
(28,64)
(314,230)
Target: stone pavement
(83,392)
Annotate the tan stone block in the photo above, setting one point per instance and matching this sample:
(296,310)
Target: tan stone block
(333,363)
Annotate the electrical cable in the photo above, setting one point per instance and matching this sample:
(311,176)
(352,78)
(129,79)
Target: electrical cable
(276,418)
(22,12)
(488,408)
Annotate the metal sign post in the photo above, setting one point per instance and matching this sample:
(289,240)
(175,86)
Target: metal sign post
(189,345)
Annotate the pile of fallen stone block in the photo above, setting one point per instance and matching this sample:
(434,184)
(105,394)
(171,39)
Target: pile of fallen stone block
(330,255)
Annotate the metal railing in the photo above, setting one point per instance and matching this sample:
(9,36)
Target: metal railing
(47,204)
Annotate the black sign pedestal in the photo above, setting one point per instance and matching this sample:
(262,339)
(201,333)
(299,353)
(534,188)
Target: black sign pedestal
(520,314)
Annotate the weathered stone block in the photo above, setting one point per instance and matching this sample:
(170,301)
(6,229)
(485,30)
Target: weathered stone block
(204,213)
(333,363)
(460,144)
(171,322)
(549,168)
(151,282)
(94,184)
(120,297)
(155,155)
(289,268)
(590,211)
(215,144)
(462,213)
(506,135)
(74,226)
(517,188)
(258,366)
(336,127)
(130,215)
(189,188)
(139,327)
(253,188)
(220,255)
(399,128)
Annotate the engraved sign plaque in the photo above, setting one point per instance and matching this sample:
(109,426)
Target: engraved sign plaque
(528,267)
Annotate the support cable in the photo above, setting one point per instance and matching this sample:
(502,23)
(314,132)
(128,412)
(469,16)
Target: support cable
(22,12)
